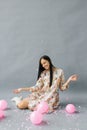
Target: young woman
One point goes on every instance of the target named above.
(50, 80)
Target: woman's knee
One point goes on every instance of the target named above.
(22, 105)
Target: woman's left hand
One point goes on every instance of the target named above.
(73, 77)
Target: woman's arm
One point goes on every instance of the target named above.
(21, 89)
(35, 88)
(66, 84)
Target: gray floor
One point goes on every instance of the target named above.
(16, 119)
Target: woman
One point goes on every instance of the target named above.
(50, 80)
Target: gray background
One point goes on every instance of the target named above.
(32, 28)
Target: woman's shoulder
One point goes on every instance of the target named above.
(58, 69)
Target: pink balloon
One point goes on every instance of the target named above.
(70, 108)
(3, 104)
(1, 114)
(36, 117)
(43, 107)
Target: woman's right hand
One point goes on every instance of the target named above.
(17, 90)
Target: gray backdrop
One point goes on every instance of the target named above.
(32, 28)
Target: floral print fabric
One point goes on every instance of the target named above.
(42, 92)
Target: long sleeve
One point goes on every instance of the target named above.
(38, 85)
(63, 84)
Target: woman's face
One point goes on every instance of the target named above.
(45, 64)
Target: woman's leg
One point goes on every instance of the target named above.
(23, 104)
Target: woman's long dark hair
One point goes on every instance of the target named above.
(41, 69)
